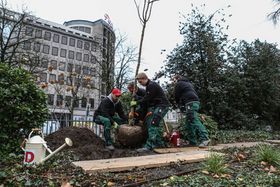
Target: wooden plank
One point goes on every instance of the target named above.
(216, 147)
(273, 141)
(178, 149)
(149, 161)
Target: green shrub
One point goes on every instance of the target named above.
(22, 107)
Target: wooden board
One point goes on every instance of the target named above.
(216, 147)
(150, 161)
(273, 141)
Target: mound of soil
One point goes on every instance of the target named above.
(86, 144)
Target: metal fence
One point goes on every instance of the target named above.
(52, 126)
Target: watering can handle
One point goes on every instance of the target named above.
(36, 129)
(22, 144)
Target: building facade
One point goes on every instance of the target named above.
(70, 60)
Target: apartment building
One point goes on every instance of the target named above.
(70, 62)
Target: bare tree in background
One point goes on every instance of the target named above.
(274, 16)
(13, 34)
(74, 85)
(16, 38)
(125, 57)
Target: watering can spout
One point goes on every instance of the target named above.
(68, 142)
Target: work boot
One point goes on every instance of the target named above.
(142, 150)
(110, 147)
(204, 143)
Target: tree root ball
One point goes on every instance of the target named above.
(131, 136)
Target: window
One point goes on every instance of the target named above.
(50, 99)
(62, 66)
(80, 44)
(37, 47)
(84, 102)
(29, 31)
(79, 56)
(27, 45)
(85, 83)
(43, 77)
(52, 78)
(77, 81)
(61, 79)
(93, 46)
(72, 42)
(64, 40)
(87, 30)
(44, 63)
(63, 52)
(69, 67)
(68, 100)
(69, 81)
(86, 57)
(92, 83)
(54, 51)
(76, 102)
(53, 64)
(93, 59)
(59, 100)
(46, 49)
(85, 70)
(56, 38)
(71, 54)
(86, 45)
(47, 35)
(92, 71)
(38, 33)
(91, 102)
(78, 69)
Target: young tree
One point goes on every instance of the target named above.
(144, 14)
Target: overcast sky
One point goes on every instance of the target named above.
(248, 21)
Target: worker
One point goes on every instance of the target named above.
(188, 101)
(141, 110)
(110, 113)
(157, 104)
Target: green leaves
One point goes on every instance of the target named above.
(238, 82)
(22, 105)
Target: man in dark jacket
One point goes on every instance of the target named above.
(140, 110)
(106, 114)
(157, 104)
(188, 102)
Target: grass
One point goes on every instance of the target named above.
(269, 154)
(215, 164)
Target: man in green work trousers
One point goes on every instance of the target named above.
(157, 104)
(110, 113)
(188, 102)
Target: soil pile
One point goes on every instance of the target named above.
(86, 144)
